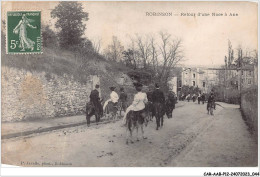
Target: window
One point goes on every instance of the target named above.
(204, 84)
(249, 73)
(242, 72)
(249, 81)
(193, 83)
(194, 75)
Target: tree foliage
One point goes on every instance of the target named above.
(129, 58)
(70, 17)
(49, 37)
(241, 58)
(114, 51)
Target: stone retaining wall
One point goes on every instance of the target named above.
(34, 95)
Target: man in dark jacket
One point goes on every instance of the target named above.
(211, 101)
(158, 97)
(95, 100)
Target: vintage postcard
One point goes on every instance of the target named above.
(129, 84)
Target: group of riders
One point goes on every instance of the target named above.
(143, 101)
(201, 99)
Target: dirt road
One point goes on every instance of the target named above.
(190, 138)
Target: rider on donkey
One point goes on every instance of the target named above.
(170, 104)
(158, 97)
(94, 107)
(95, 100)
(139, 101)
(211, 101)
(113, 98)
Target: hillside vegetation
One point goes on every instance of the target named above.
(63, 62)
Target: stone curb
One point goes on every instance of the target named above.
(26, 133)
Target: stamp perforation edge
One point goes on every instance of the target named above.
(6, 35)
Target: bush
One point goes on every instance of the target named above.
(233, 96)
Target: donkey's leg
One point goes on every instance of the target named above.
(137, 137)
(110, 116)
(161, 121)
(129, 131)
(127, 134)
(88, 120)
(96, 119)
(142, 130)
(88, 116)
(157, 122)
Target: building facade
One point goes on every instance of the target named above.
(241, 78)
(203, 78)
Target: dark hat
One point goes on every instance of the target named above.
(97, 86)
(112, 88)
(138, 84)
(122, 89)
(157, 85)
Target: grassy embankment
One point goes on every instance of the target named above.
(63, 62)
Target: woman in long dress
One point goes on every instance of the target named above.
(25, 42)
(140, 99)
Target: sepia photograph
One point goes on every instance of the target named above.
(129, 84)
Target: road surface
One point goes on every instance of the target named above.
(190, 138)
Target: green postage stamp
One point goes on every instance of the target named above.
(23, 32)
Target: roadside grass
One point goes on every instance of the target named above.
(70, 63)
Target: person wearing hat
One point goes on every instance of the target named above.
(113, 97)
(211, 99)
(140, 99)
(158, 97)
(95, 100)
(123, 99)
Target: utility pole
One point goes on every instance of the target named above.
(225, 79)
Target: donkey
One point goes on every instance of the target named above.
(136, 120)
(90, 111)
(111, 111)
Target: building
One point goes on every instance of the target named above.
(201, 77)
(241, 78)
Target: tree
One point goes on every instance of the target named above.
(49, 37)
(144, 49)
(230, 54)
(129, 58)
(96, 43)
(114, 51)
(171, 53)
(70, 17)
(154, 55)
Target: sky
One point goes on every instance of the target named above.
(204, 38)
